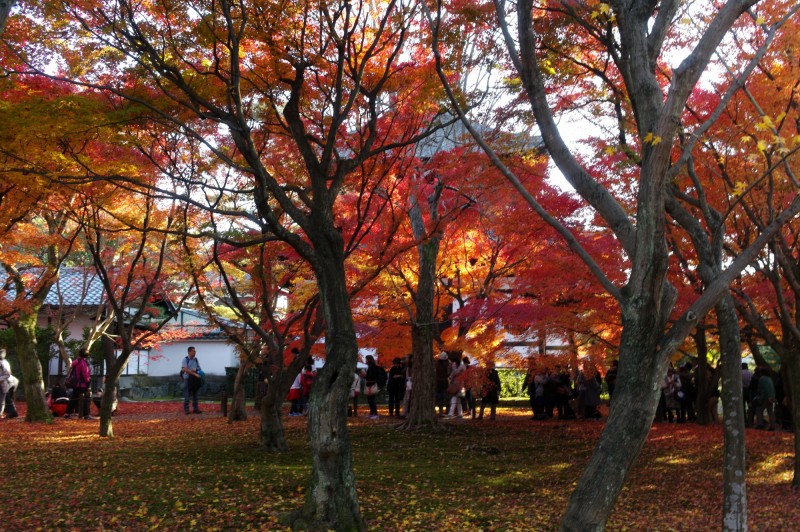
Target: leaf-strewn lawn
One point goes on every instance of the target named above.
(165, 470)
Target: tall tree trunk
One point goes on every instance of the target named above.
(734, 502)
(703, 375)
(238, 411)
(641, 369)
(32, 379)
(422, 412)
(331, 501)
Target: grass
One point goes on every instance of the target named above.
(165, 470)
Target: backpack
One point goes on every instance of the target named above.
(72, 377)
(382, 377)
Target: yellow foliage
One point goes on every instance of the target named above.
(651, 139)
(740, 188)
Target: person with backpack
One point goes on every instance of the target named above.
(190, 371)
(79, 379)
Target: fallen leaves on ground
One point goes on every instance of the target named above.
(166, 470)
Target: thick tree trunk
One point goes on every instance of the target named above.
(238, 411)
(114, 370)
(331, 501)
(106, 410)
(734, 502)
(32, 379)
(273, 437)
(641, 369)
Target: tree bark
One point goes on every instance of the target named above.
(703, 377)
(636, 396)
(422, 411)
(238, 411)
(32, 378)
(114, 366)
(734, 502)
(273, 437)
(331, 501)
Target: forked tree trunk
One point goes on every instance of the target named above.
(331, 501)
(734, 502)
(31, 378)
(238, 411)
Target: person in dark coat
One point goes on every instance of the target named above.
(395, 387)
(371, 380)
(592, 381)
(491, 391)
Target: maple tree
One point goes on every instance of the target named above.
(621, 47)
(272, 295)
(40, 120)
(290, 103)
(763, 116)
(138, 264)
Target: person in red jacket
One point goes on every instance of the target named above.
(80, 389)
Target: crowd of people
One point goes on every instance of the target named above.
(765, 402)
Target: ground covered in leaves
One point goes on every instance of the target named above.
(166, 470)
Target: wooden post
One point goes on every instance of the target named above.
(224, 405)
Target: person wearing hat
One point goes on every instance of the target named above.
(8, 387)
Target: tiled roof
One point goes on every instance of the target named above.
(76, 286)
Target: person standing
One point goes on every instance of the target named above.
(408, 387)
(355, 391)
(765, 399)
(396, 386)
(491, 391)
(371, 383)
(307, 376)
(747, 397)
(8, 388)
(611, 379)
(81, 379)
(191, 380)
(456, 388)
